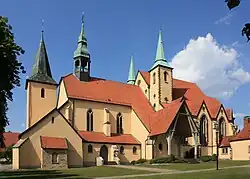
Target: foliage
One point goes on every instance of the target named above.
(167, 159)
(10, 69)
(8, 154)
(214, 157)
(246, 29)
(206, 158)
(140, 161)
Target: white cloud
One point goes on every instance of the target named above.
(215, 68)
(225, 19)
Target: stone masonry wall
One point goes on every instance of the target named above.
(47, 159)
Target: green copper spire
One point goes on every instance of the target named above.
(41, 69)
(160, 57)
(131, 75)
(82, 50)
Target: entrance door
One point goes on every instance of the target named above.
(104, 153)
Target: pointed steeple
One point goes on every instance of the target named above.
(41, 71)
(131, 74)
(82, 48)
(160, 57)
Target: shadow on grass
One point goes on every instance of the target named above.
(37, 174)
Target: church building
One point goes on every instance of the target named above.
(83, 119)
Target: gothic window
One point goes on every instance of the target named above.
(77, 63)
(54, 158)
(146, 91)
(160, 147)
(222, 128)
(90, 120)
(42, 93)
(90, 148)
(121, 150)
(153, 78)
(165, 76)
(119, 128)
(203, 130)
(52, 120)
(224, 150)
(134, 150)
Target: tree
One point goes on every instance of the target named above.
(246, 29)
(10, 69)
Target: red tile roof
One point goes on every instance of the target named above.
(10, 138)
(110, 92)
(162, 119)
(193, 95)
(53, 143)
(100, 137)
(225, 142)
(229, 112)
(244, 134)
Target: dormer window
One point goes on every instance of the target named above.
(165, 76)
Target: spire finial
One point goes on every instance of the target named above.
(42, 23)
(82, 17)
(131, 74)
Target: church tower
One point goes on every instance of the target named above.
(82, 57)
(161, 78)
(41, 87)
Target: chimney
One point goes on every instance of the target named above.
(246, 120)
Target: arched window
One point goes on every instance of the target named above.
(42, 93)
(222, 128)
(203, 130)
(153, 78)
(134, 150)
(90, 148)
(119, 129)
(154, 105)
(90, 120)
(165, 76)
(160, 146)
(138, 82)
(54, 158)
(121, 150)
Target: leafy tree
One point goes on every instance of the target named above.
(10, 69)
(246, 29)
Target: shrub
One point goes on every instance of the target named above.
(7, 154)
(140, 161)
(214, 157)
(167, 159)
(205, 158)
(133, 162)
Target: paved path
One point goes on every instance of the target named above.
(5, 167)
(163, 171)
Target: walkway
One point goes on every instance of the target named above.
(161, 171)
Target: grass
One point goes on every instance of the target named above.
(205, 165)
(236, 173)
(83, 173)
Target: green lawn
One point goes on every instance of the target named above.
(83, 173)
(205, 165)
(236, 173)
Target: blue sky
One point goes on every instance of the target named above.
(118, 29)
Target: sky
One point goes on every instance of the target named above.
(202, 42)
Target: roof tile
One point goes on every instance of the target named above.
(53, 143)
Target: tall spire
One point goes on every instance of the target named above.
(82, 50)
(41, 71)
(131, 74)
(160, 56)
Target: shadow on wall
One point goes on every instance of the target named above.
(38, 174)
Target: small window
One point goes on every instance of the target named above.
(134, 150)
(154, 105)
(165, 76)
(154, 95)
(224, 150)
(160, 147)
(139, 82)
(77, 63)
(90, 148)
(154, 78)
(52, 120)
(146, 91)
(166, 99)
(203, 108)
(54, 158)
(42, 93)
(121, 150)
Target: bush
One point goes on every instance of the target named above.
(133, 162)
(214, 157)
(167, 159)
(140, 161)
(7, 154)
(206, 158)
